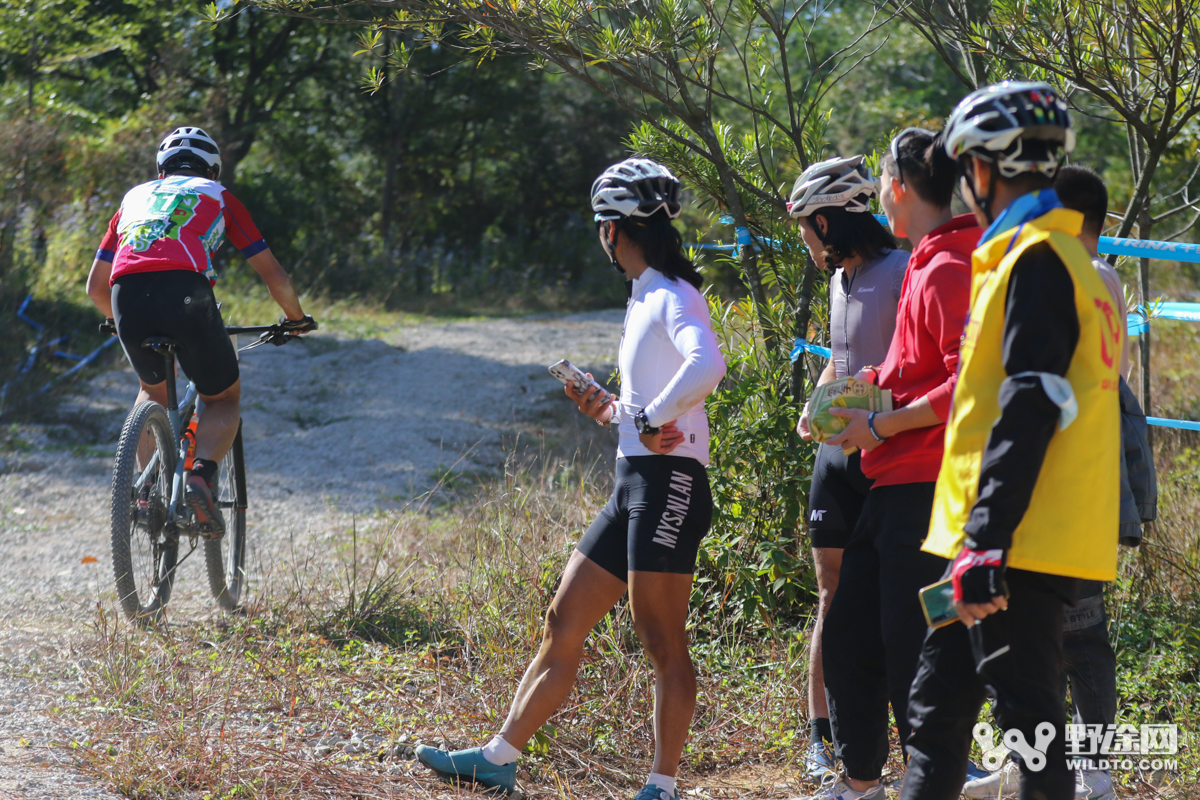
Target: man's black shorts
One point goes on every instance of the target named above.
(836, 498)
(177, 304)
(659, 511)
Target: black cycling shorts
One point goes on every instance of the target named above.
(659, 511)
(836, 498)
(178, 304)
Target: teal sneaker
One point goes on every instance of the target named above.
(469, 765)
(652, 792)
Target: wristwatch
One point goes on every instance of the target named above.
(642, 423)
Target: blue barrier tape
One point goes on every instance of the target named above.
(1139, 248)
(88, 359)
(1186, 312)
(1189, 312)
(757, 240)
(21, 315)
(802, 345)
(1182, 424)
(707, 246)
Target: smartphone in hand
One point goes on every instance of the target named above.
(937, 602)
(567, 372)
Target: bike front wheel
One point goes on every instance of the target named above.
(144, 553)
(225, 558)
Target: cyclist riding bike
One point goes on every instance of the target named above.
(153, 276)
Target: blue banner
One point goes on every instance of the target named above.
(1170, 251)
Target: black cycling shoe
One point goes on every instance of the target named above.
(199, 497)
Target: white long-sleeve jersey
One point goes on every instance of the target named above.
(670, 362)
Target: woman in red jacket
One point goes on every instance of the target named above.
(875, 626)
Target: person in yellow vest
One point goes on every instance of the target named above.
(1026, 502)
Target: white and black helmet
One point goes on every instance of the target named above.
(635, 187)
(1022, 127)
(189, 147)
(836, 182)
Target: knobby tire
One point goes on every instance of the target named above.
(143, 566)
(225, 559)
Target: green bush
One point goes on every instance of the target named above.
(752, 566)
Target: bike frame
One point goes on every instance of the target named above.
(180, 414)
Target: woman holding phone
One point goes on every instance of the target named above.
(646, 538)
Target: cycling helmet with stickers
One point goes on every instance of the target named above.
(1020, 127)
(836, 182)
(635, 187)
(189, 148)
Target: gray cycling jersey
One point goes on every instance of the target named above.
(862, 311)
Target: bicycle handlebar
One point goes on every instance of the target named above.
(278, 334)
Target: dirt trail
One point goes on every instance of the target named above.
(333, 428)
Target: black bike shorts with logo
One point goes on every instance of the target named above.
(836, 498)
(177, 304)
(659, 511)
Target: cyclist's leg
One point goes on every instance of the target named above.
(134, 301)
(158, 393)
(670, 511)
(207, 357)
(828, 563)
(588, 592)
(218, 424)
(835, 502)
(660, 611)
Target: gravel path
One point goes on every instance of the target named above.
(334, 428)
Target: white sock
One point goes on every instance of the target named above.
(500, 752)
(664, 782)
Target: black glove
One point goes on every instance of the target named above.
(109, 326)
(978, 575)
(302, 325)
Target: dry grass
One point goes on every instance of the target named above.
(419, 631)
(420, 635)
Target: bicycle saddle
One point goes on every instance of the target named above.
(160, 344)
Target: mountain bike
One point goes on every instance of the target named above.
(149, 516)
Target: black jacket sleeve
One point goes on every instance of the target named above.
(1041, 331)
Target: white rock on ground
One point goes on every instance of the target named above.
(333, 428)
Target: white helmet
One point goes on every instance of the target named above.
(189, 147)
(837, 182)
(635, 187)
(1022, 127)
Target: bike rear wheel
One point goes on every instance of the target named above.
(143, 558)
(225, 558)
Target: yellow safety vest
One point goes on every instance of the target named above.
(1070, 527)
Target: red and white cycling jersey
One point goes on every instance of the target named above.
(176, 223)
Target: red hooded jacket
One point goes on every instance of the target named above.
(923, 357)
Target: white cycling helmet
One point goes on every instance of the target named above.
(635, 187)
(189, 148)
(836, 182)
(1022, 127)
